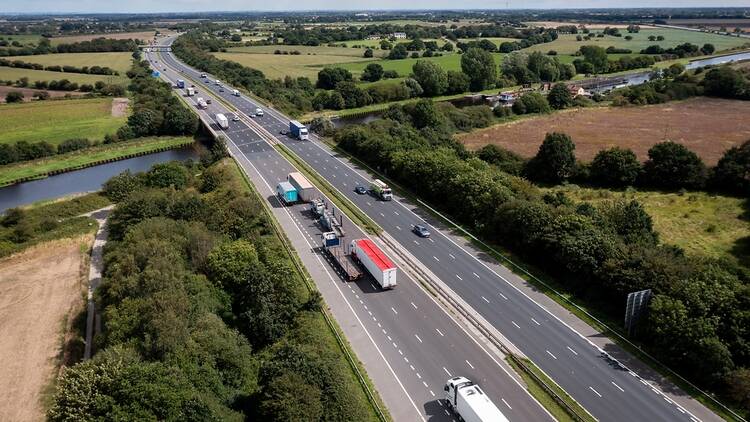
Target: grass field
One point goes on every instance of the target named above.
(567, 44)
(708, 126)
(141, 35)
(118, 61)
(277, 66)
(403, 67)
(56, 121)
(307, 50)
(702, 224)
(25, 40)
(43, 166)
(13, 74)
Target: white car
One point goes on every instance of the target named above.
(235, 118)
(259, 112)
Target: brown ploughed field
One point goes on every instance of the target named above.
(40, 288)
(708, 126)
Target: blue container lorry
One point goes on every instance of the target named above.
(180, 83)
(287, 192)
(297, 130)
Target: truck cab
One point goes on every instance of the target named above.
(470, 403)
(381, 190)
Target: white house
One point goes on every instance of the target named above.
(399, 35)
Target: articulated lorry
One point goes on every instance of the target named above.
(305, 189)
(470, 403)
(298, 130)
(375, 261)
(222, 121)
(333, 247)
(287, 193)
(381, 190)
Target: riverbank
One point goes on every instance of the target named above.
(48, 166)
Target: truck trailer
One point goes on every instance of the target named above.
(470, 403)
(333, 247)
(298, 130)
(287, 193)
(375, 261)
(381, 190)
(180, 84)
(222, 121)
(305, 189)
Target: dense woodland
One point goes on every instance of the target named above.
(698, 319)
(204, 316)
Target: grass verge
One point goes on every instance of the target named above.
(19, 172)
(540, 394)
(358, 217)
(583, 310)
(379, 410)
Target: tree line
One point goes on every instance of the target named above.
(97, 45)
(93, 70)
(203, 316)
(696, 320)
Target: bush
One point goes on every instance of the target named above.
(732, 173)
(329, 77)
(372, 73)
(14, 97)
(615, 167)
(70, 145)
(555, 160)
(672, 166)
(532, 102)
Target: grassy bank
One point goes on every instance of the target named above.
(56, 121)
(48, 220)
(13, 173)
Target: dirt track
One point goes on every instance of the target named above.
(707, 126)
(38, 289)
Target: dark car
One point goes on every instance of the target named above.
(421, 230)
(208, 101)
(360, 190)
(221, 89)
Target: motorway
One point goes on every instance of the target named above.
(606, 388)
(413, 344)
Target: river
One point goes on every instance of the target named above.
(85, 180)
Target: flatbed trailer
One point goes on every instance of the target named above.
(345, 261)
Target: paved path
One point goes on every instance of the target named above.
(95, 271)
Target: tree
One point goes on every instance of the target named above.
(330, 76)
(373, 72)
(14, 97)
(560, 97)
(708, 49)
(672, 166)
(424, 114)
(228, 263)
(236, 38)
(615, 167)
(398, 52)
(458, 82)
(505, 160)
(179, 121)
(385, 45)
(738, 384)
(368, 53)
(532, 102)
(145, 122)
(479, 65)
(597, 56)
(555, 160)
(289, 398)
(164, 175)
(353, 95)
(415, 89)
(732, 173)
(725, 82)
(431, 77)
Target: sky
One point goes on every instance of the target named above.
(145, 6)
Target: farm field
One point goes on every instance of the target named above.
(40, 289)
(118, 61)
(702, 224)
(25, 39)
(29, 93)
(308, 50)
(707, 126)
(567, 44)
(14, 74)
(67, 39)
(56, 121)
(276, 66)
(403, 67)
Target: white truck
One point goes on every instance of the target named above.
(305, 189)
(375, 261)
(201, 103)
(222, 121)
(236, 93)
(470, 403)
(190, 91)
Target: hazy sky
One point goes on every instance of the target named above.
(93, 6)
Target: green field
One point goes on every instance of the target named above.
(13, 74)
(701, 224)
(567, 44)
(25, 40)
(403, 67)
(277, 66)
(85, 157)
(56, 121)
(308, 50)
(118, 61)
